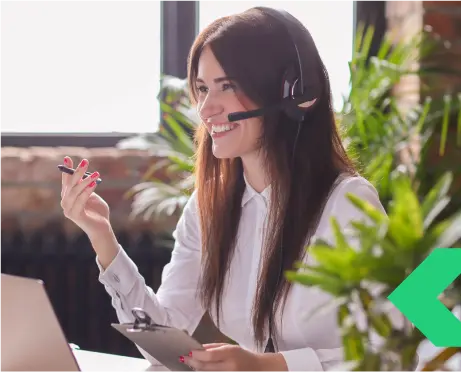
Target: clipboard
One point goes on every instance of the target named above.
(165, 344)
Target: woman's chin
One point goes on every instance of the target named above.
(221, 153)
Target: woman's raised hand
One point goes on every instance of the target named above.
(88, 210)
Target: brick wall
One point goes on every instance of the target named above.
(443, 18)
(31, 186)
(404, 21)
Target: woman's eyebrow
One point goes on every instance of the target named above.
(217, 80)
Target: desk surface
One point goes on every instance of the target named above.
(93, 361)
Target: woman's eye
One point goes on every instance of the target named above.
(202, 89)
(228, 86)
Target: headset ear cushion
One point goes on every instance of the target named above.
(289, 81)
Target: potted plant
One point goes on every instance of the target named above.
(389, 247)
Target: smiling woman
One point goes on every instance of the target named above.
(266, 187)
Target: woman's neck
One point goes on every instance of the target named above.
(253, 166)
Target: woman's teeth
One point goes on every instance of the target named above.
(222, 128)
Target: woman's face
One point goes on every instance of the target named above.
(218, 95)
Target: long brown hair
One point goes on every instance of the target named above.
(255, 50)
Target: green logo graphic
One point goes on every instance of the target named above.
(416, 297)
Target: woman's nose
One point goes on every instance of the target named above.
(211, 106)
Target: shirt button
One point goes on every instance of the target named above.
(116, 278)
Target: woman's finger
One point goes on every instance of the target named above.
(79, 173)
(77, 177)
(213, 345)
(82, 198)
(72, 193)
(66, 177)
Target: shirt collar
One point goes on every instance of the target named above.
(251, 193)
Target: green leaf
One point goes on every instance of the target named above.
(448, 231)
(317, 269)
(343, 314)
(370, 362)
(332, 259)
(436, 196)
(373, 213)
(353, 344)
(380, 323)
(445, 122)
(458, 141)
(184, 143)
(422, 118)
(328, 283)
(378, 171)
(405, 216)
(370, 235)
(341, 242)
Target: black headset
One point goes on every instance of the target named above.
(295, 89)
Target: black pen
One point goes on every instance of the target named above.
(67, 170)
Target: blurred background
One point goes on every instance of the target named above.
(105, 81)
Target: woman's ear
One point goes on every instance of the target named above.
(308, 103)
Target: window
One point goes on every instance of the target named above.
(84, 66)
(332, 31)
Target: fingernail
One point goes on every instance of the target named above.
(66, 161)
(92, 184)
(95, 175)
(190, 354)
(83, 163)
(181, 359)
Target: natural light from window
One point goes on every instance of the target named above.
(87, 66)
(80, 66)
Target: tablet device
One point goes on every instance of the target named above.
(165, 344)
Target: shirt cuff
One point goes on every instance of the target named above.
(121, 274)
(302, 360)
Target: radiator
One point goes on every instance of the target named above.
(67, 267)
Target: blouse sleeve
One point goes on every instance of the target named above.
(175, 303)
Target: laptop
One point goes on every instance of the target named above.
(32, 338)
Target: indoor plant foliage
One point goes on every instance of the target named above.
(386, 249)
(168, 183)
(378, 133)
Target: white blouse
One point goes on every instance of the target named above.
(306, 344)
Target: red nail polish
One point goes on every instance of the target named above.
(190, 354)
(181, 359)
(92, 184)
(83, 163)
(66, 161)
(95, 175)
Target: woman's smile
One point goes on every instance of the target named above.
(221, 130)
